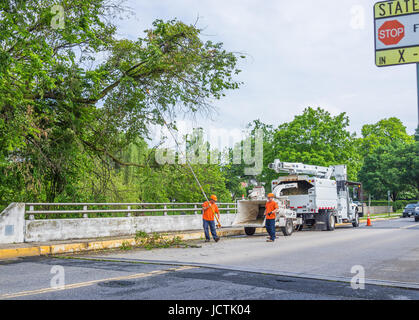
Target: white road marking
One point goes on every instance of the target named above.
(412, 226)
(89, 283)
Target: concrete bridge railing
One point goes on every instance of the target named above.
(38, 222)
(129, 209)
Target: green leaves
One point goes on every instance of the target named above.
(383, 133)
(76, 95)
(393, 167)
(315, 137)
(389, 159)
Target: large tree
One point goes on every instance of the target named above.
(314, 137)
(382, 133)
(409, 161)
(393, 167)
(61, 105)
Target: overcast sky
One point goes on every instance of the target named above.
(300, 53)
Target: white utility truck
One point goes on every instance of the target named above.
(317, 198)
(307, 196)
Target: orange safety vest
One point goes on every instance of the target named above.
(209, 214)
(271, 206)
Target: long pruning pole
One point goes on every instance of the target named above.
(190, 167)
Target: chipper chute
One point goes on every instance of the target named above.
(250, 215)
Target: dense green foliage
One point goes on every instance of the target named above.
(316, 137)
(383, 133)
(397, 205)
(392, 167)
(65, 114)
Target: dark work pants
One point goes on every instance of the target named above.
(211, 225)
(270, 227)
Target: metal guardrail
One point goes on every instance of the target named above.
(128, 209)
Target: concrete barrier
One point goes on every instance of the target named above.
(15, 229)
(68, 229)
(377, 209)
(12, 223)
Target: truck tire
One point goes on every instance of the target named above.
(250, 231)
(288, 229)
(330, 221)
(355, 223)
(416, 219)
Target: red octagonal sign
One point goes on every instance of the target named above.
(391, 32)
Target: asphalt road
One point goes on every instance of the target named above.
(389, 251)
(90, 280)
(236, 268)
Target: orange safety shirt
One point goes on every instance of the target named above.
(209, 214)
(271, 206)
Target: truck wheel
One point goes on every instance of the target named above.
(288, 229)
(330, 222)
(416, 219)
(356, 221)
(250, 231)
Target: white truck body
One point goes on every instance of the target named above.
(316, 196)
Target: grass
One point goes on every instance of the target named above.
(157, 240)
(381, 215)
(125, 246)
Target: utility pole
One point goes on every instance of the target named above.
(388, 202)
(417, 78)
(417, 83)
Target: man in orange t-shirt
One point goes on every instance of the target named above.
(271, 208)
(208, 218)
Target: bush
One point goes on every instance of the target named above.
(157, 240)
(397, 205)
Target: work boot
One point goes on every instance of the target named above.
(207, 240)
(217, 239)
(270, 240)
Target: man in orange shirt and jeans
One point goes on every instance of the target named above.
(271, 208)
(209, 208)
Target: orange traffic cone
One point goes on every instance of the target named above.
(369, 221)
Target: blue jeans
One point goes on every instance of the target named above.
(270, 227)
(211, 225)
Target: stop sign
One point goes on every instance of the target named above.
(391, 32)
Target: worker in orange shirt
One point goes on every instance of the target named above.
(271, 208)
(209, 208)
